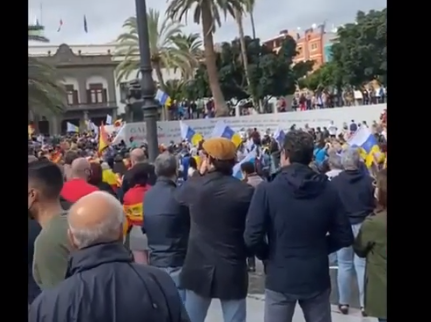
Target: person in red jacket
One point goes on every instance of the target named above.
(77, 186)
(133, 208)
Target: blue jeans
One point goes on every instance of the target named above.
(197, 308)
(347, 262)
(281, 307)
(174, 272)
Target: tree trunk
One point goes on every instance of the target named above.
(210, 61)
(253, 27)
(238, 18)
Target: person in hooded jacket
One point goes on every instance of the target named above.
(355, 188)
(293, 223)
(102, 282)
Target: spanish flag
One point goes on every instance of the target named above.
(55, 156)
(103, 139)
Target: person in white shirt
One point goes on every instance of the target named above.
(332, 129)
(334, 162)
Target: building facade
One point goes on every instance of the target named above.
(310, 45)
(89, 83)
(88, 74)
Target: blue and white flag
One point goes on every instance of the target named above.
(162, 97)
(108, 120)
(250, 157)
(187, 133)
(72, 128)
(366, 142)
(279, 136)
(221, 129)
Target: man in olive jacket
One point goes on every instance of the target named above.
(215, 265)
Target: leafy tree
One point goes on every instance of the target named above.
(46, 95)
(360, 50)
(326, 76)
(166, 49)
(271, 73)
(207, 12)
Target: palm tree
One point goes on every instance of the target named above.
(238, 17)
(192, 44)
(249, 8)
(207, 12)
(164, 51)
(46, 95)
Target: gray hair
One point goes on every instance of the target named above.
(104, 232)
(351, 159)
(334, 161)
(166, 165)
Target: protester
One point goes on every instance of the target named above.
(357, 195)
(102, 273)
(167, 223)
(133, 208)
(250, 176)
(193, 167)
(77, 185)
(51, 247)
(215, 264)
(294, 222)
(33, 231)
(371, 243)
(335, 166)
(136, 156)
(96, 178)
(69, 157)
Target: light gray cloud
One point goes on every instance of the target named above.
(104, 18)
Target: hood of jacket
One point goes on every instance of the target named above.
(352, 176)
(95, 255)
(302, 182)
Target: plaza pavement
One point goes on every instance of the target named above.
(255, 308)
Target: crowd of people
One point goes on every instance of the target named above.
(113, 237)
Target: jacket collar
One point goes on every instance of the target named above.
(166, 181)
(95, 255)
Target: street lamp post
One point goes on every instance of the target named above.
(149, 105)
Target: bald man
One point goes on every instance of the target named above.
(102, 272)
(77, 186)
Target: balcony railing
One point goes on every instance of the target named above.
(90, 106)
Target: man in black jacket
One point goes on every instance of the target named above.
(293, 224)
(167, 223)
(215, 265)
(102, 272)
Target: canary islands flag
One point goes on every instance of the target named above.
(221, 129)
(367, 144)
(72, 128)
(163, 98)
(250, 157)
(187, 133)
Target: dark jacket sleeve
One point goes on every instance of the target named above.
(256, 225)
(340, 231)
(364, 242)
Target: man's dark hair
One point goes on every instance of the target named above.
(223, 166)
(70, 156)
(139, 175)
(299, 146)
(248, 167)
(47, 177)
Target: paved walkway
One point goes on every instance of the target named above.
(255, 313)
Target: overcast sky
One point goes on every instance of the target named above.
(105, 17)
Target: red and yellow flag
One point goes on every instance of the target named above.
(30, 130)
(103, 139)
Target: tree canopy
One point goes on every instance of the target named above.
(271, 73)
(358, 54)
